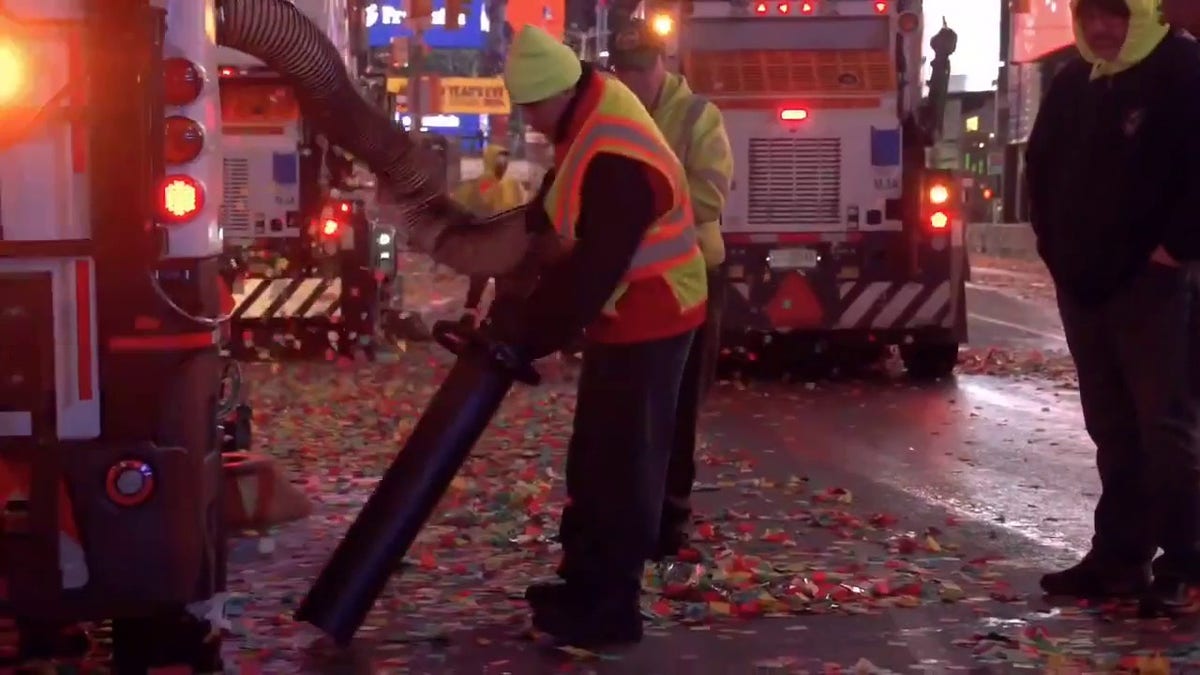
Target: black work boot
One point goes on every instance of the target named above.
(670, 543)
(1096, 578)
(588, 621)
(545, 593)
(1167, 596)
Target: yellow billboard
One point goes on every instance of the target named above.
(459, 95)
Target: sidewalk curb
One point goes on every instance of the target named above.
(1002, 240)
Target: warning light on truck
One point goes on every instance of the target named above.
(662, 24)
(881, 7)
(807, 7)
(184, 139)
(13, 73)
(760, 8)
(793, 114)
(182, 81)
(939, 194)
(182, 198)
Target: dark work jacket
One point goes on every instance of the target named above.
(1113, 169)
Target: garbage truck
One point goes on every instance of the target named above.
(297, 238)
(111, 306)
(840, 234)
(110, 466)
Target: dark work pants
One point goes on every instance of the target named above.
(698, 377)
(1139, 383)
(475, 291)
(617, 463)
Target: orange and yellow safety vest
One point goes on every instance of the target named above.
(620, 125)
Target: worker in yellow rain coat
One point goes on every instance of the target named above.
(492, 192)
(695, 129)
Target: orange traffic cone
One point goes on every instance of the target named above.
(258, 495)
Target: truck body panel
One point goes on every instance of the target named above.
(828, 227)
(108, 251)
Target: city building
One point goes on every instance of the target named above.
(464, 60)
(1037, 40)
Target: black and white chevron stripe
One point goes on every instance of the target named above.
(297, 298)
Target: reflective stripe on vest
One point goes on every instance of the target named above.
(672, 239)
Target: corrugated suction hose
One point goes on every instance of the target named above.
(279, 35)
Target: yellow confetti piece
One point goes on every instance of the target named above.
(720, 608)
(580, 654)
(951, 592)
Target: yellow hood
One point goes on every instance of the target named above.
(491, 156)
(1145, 32)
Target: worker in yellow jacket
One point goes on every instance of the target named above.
(490, 193)
(695, 130)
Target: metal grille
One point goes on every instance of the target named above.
(235, 212)
(720, 74)
(795, 181)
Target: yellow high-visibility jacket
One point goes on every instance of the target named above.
(695, 129)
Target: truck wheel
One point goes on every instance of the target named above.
(178, 640)
(929, 361)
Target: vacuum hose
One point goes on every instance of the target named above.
(279, 35)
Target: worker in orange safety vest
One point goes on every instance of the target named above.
(632, 277)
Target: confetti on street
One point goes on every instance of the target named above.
(800, 563)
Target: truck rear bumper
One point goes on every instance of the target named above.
(303, 316)
(865, 291)
(796, 304)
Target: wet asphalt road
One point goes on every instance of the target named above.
(1004, 461)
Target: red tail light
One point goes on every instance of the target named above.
(760, 8)
(180, 199)
(129, 483)
(330, 227)
(182, 81)
(793, 115)
(939, 220)
(184, 140)
(881, 7)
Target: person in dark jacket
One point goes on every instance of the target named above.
(1114, 175)
(632, 276)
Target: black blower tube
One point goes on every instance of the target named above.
(279, 35)
(389, 522)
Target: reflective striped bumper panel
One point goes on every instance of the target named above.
(301, 317)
